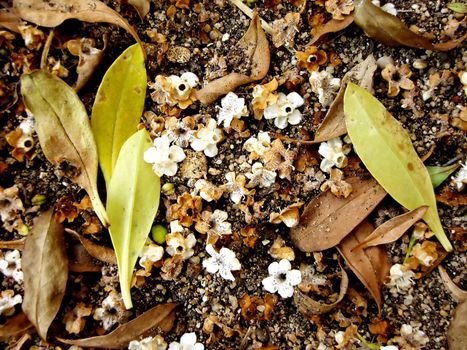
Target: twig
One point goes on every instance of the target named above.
(249, 12)
(45, 51)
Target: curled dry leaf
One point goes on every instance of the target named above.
(458, 294)
(333, 124)
(16, 244)
(15, 326)
(51, 13)
(45, 268)
(327, 219)
(65, 135)
(141, 6)
(391, 31)
(309, 306)
(255, 47)
(98, 252)
(392, 229)
(120, 337)
(332, 26)
(371, 265)
(457, 332)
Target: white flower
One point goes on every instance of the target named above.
(184, 84)
(149, 343)
(223, 262)
(282, 278)
(324, 85)
(112, 310)
(187, 342)
(164, 158)
(179, 245)
(208, 191)
(232, 107)
(8, 300)
(10, 265)
(414, 336)
(284, 111)
(207, 138)
(151, 254)
(260, 176)
(401, 277)
(461, 178)
(236, 186)
(174, 89)
(334, 152)
(257, 146)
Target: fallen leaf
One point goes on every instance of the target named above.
(458, 294)
(65, 136)
(332, 26)
(118, 106)
(371, 265)
(16, 244)
(10, 19)
(51, 13)
(387, 151)
(45, 267)
(132, 202)
(440, 173)
(89, 58)
(327, 219)
(333, 124)
(452, 198)
(255, 47)
(97, 251)
(15, 326)
(309, 306)
(457, 332)
(391, 31)
(141, 6)
(393, 229)
(122, 335)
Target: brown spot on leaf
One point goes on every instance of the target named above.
(410, 166)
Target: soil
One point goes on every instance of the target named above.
(426, 306)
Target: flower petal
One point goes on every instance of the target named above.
(295, 118)
(273, 268)
(281, 122)
(294, 277)
(285, 290)
(151, 155)
(284, 266)
(270, 284)
(295, 99)
(188, 339)
(210, 150)
(176, 154)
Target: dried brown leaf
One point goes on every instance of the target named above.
(327, 219)
(10, 20)
(141, 6)
(51, 13)
(457, 332)
(16, 244)
(15, 326)
(45, 267)
(332, 26)
(120, 337)
(309, 306)
(80, 261)
(391, 31)
(255, 46)
(371, 265)
(393, 229)
(333, 124)
(104, 254)
(458, 294)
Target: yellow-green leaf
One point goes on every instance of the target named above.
(132, 202)
(64, 132)
(458, 7)
(386, 150)
(118, 106)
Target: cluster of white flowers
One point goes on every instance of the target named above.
(282, 278)
(207, 138)
(223, 262)
(10, 265)
(284, 111)
(334, 152)
(164, 157)
(232, 107)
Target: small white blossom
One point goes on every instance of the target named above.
(414, 336)
(179, 245)
(334, 153)
(401, 277)
(236, 186)
(207, 138)
(175, 89)
(285, 111)
(10, 265)
(223, 262)
(208, 191)
(260, 176)
(282, 278)
(149, 343)
(164, 157)
(461, 177)
(187, 342)
(257, 146)
(231, 107)
(112, 310)
(8, 300)
(324, 85)
(151, 254)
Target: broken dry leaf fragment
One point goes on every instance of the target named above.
(65, 136)
(120, 337)
(141, 6)
(457, 332)
(255, 47)
(332, 26)
(15, 326)
(118, 106)
(98, 252)
(327, 219)
(45, 268)
(132, 202)
(387, 151)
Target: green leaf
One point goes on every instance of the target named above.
(458, 7)
(64, 132)
(132, 202)
(118, 106)
(440, 173)
(386, 150)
